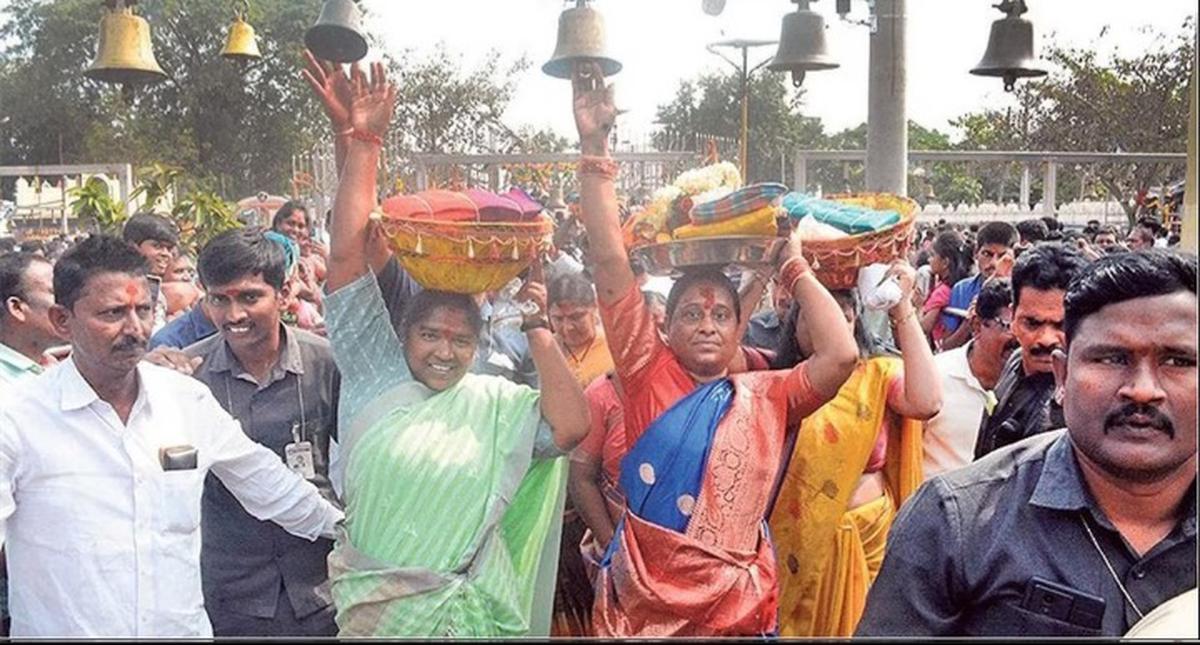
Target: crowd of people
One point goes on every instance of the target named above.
(282, 437)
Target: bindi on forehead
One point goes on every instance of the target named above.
(131, 293)
(709, 296)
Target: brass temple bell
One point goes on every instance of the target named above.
(337, 36)
(580, 38)
(1009, 52)
(125, 53)
(241, 45)
(802, 47)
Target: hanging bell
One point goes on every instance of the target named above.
(1009, 52)
(242, 44)
(580, 38)
(337, 35)
(802, 47)
(125, 53)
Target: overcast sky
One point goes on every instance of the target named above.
(661, 42)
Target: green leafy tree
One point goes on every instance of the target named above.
(442, 107)
(710, 105)
(155, 182)
(237, 126)
(1136, 103)
(946, 181)
(93, 204)
(201, 216)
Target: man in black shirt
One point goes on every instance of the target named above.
(1079, 532)
(282, 385)
(1024, 401)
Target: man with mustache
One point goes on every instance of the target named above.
(1079, 532)
(1025, 405)
(102, 465)
(968, 376)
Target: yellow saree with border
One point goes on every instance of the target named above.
(828, 554)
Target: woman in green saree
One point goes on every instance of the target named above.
(450, 482)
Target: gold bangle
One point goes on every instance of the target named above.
(896, 320)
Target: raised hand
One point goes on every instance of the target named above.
(595, 110)
(1090, 252)
(790, 250)
(374, 100)
(332, 86)
(1004, 265)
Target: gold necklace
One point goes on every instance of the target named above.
(1111, 571)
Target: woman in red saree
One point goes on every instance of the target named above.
(691, 555)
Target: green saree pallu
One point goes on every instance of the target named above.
(447, 513)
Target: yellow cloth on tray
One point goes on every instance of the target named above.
(759, 222)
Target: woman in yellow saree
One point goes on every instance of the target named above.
(854, 463)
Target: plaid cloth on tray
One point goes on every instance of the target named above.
(739, 202)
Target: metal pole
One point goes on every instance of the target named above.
(745, 144)
(887, 111)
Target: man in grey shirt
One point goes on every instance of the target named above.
(281, 383)
(1079, 532)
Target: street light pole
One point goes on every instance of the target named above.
(745, 71)
(887, 110)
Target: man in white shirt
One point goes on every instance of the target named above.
(969, 374)
(102, 466)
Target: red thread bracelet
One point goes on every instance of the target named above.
(604, 167)
(792, 270)
(366, 137)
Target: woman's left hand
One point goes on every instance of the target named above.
(906, 277)
(374, 101)
(533, 292)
